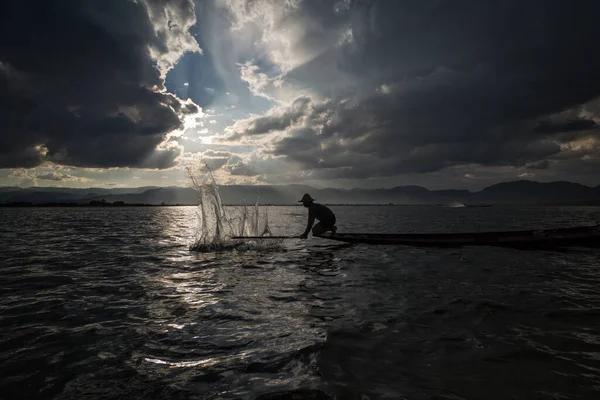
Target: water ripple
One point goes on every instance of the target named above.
(110, 304)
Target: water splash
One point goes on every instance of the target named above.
(216, 224)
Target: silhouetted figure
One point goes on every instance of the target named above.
(324, 215)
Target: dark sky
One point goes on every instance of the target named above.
(78, 78)
(342, 93)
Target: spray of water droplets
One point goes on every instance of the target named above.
(217, 224)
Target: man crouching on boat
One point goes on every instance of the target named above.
(325, 216)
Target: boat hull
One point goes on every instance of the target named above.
(542, 238)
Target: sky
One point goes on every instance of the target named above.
(341, 93)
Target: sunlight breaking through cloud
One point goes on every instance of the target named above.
(322, 92)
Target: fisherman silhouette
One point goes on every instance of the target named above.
(324, 215)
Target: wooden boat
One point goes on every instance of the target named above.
(583, 236)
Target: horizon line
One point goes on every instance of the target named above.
(298, 184)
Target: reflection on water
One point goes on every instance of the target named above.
(110, 303)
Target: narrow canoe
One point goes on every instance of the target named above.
(583, 236)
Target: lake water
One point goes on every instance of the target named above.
(109, 303)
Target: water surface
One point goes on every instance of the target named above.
(109, 303)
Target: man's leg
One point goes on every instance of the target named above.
(318, 229)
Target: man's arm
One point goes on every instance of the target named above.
(311, 221)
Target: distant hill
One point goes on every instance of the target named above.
(517, 192)
(535, 192)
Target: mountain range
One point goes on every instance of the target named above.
(516, 192)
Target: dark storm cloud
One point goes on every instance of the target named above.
(565, 126)
(280, 122)
(432, 84)
(79, 85)
(544, 164)
(240, 169)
